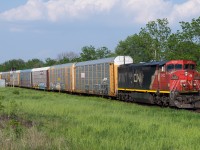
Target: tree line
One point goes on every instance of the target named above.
(88, 53)
(154, 42)
(157, 42)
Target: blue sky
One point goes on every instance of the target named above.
(45, 28)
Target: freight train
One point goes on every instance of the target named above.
(174, 83)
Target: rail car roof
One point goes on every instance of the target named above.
(5, 72)
(26, 70)
(62, 65)
(17, 71)
(40, 69)
(118, 60)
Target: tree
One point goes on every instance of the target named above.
(50, 62)
(149, 44)
(185, 44)
(158, 31)
(191, 31)
(67, 57)
(34, 63)
(136, 46)
(88, 53)
(103, 52)
(14, 64)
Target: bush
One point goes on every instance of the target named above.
(2, 97)
(1, 107)
(16, 92)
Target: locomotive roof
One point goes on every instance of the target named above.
(160, 63)
(153, 63)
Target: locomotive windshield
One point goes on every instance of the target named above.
(172, 67)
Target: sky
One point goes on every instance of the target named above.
(46, 28)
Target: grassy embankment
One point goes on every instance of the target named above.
(46, 120)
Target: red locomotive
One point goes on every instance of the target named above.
(169, 83)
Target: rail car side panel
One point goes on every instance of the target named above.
(6, 76)
(138, 77)
(15, 78)
(93, 79)
(40, 79)
(26, 78)
(61, 77)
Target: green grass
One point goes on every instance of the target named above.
(63, 121)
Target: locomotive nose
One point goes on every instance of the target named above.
(190, 83)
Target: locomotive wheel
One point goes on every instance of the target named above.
(165, 101)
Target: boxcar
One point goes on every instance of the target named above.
(61, 77)
(26, 78)
(40, 78)
(14, 78)
(99, 77)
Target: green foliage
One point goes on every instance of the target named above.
(103, 52)
(156, 42)
(34, 63)
(13, 109)
(2, 97)
(50, 62)
(159, 31)
(185, 44)
(1, 107)
(12, 64)
(16, 92)
(149, 44)
(136, 46)
(90, 53)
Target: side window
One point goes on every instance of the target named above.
(162, 68)
(178, 66)
(186, 66)
(192, 66)
(170, 67)
(189, 66)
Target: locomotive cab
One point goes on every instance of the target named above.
(184, 83)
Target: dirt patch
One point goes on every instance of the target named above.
(13, 121)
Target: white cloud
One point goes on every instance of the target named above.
(138, 11)
(32, 10)
(54, 10)
(143, 11)
(184, 11)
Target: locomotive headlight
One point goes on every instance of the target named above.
(186, 73)
(184, 84)
(194, 84)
